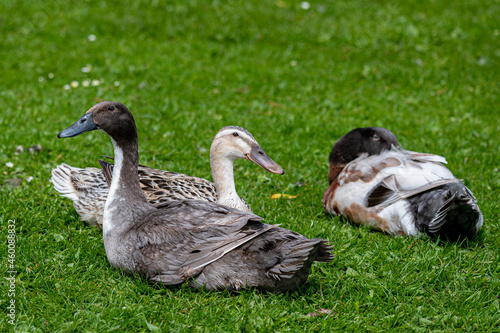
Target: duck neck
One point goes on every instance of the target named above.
(223, 176)
(125, 197)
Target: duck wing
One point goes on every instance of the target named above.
(416, 173)
(107, 170)
(390, 191)
(181, 237)
(162, 186)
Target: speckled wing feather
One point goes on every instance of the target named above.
(162, 186)
(88, 188)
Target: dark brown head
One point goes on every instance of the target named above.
(111, 117)
(371, 140)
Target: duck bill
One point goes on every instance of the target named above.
(84, 124)
(259, 156)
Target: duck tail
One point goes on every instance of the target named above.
(324, 253)
(458, 215)
(62, 179)
(87, 189)
(301, 257)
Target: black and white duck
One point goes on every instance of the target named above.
(376, 183)
(207, 244)
(88, 188)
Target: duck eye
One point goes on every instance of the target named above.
(111, 108)
(375, 137)
(235, 134)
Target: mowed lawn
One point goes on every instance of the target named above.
(297, 76)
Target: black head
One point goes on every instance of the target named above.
(371, 140)
(111, 117)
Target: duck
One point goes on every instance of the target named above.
(88, 187)
(201, 243)
(376, 183)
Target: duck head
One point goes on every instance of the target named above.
(370, 140)
(111, 117)
(233, 142)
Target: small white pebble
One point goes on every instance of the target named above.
(92, 38)
(74, 84)
(51, 76)
(41, 79)
(9, 164)
(116, 83)
(95, 82)
(66, 87)
(305, 5)
(293, 63)
(29, 179)
(86, 83)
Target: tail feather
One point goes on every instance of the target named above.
(301, 255)
(450, 210)
(325, 252)
(87, 189)
(62, 181)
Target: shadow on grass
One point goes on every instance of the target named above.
(144, 286)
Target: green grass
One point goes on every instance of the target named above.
(297, 80)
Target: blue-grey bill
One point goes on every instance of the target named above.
(84, 124)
